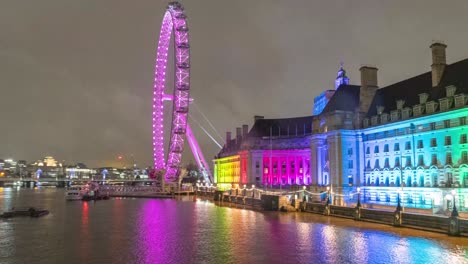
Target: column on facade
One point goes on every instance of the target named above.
(288, 168)
(296, 168)
(316, 165)
(303, 169)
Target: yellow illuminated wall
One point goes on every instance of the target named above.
(227, 170)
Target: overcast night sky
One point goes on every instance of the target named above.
(76, 76)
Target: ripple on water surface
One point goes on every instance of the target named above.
(171, 231)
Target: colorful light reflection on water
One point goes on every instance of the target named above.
(171, 231)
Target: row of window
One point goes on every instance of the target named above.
(424, 127)
(408, 163)
(420, 144)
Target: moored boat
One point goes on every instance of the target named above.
(76, 193)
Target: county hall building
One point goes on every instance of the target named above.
(407, 140)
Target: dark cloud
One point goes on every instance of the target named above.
(76, 76)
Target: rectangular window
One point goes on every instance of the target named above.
(376, 149)
(408, 161)
(350, 164)
(368, 164)
(465, 156)
(377, 165)
(387, 163)
(350, 180)
(462, 120)
(385, 149)
(367, 150)
(420, 144)
(433, 126)
(446, 123)
(434, 159)
(350, 151)
(396, 147)
(463, 139)
(407, 145)
(448, 158)
(448, 140)
(421, 160)
(397, 162)
(433, 142)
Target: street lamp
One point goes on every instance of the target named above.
(253, 191)
(454, 211)
(358, 197)
(399, 208)
(303, 193)
(245, 189)
(328, 195)
(413, 128)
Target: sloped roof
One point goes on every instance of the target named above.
(282, 127)
(346, 98)
(409, 89)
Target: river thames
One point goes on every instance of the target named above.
(200, 231)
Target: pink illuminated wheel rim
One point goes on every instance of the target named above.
(174, 22)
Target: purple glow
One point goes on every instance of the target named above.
(174, 21)
(285, 167)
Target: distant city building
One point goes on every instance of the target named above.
(47, 167)
(406, 140)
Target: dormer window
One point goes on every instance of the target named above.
(445, 103)
(406, 113)
(384, 118)
(431, 107)
(423, 98)
(366, 122)
(380, 109)
(460, 100)
(395, 115)
(450, 90)
(400, 104)
(417, 110)
(374, 120)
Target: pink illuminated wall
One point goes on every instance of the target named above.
(286, 167)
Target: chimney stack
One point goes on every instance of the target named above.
(238, 135)
(369, 86)
(438, 62)
(257, 117)
(228, 139)
(245, 131)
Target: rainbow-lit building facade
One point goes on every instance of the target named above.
(405, 141)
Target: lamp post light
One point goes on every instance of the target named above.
(328, 195)
(303, 193)
(399, 208)
(245, 189)
(358, 197)
(454, 210)
(253, 191)
(412, 129)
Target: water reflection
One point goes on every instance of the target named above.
(187, 231)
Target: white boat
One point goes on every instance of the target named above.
(76, 192)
